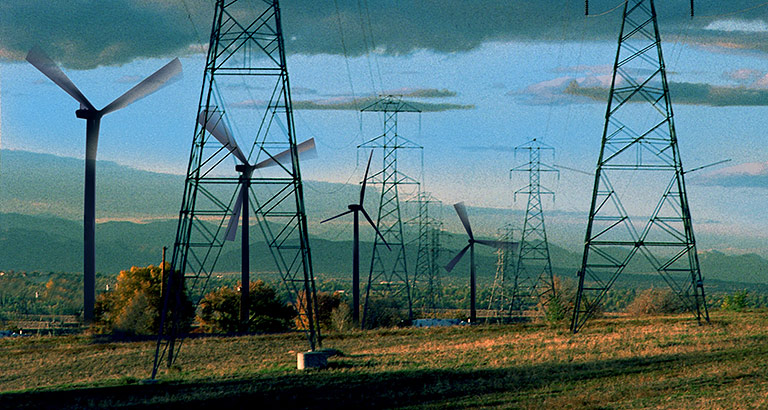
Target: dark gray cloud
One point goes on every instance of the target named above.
(423, 93)
(350, 104)
(88, 33)
(747, 175)
(689, 93)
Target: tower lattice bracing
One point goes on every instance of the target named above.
(388, 274)
(246, 92)
(534, 282)
(639, 220)
(502, 290)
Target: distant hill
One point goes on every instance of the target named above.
(41, 228)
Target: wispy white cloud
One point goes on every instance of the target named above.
(738, 25)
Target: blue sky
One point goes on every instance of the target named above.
(511, 71)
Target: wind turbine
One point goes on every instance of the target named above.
(88, 112)
(462, 211)
(356, 209)
(214, 124)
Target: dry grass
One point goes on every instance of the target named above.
(619, 363)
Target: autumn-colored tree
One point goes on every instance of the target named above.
(133, 306)
(327, 303)
(220, 310)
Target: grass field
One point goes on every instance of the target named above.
(616, 363)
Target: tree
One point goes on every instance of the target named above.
(327, 303)
(220, 310)
(737, 302)
(133, 307)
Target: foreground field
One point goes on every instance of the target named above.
(619, 363)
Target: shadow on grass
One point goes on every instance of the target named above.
(345, 389)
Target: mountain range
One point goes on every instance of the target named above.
(41, 228)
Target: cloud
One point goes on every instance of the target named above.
(347, 103)
(730, 25)
(422, 92)
(352, 104)
(84, 34)
(688, 93)
(490, 148)
(744, 76)
(746, 175)
(555, 91)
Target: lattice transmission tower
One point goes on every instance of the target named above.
(426, 286)
(629, 229)
(534, 282)
(502, 290)
(388, 274)
(246, 101)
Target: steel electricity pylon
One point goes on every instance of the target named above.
(533, 283)
(502, 290)
(426, 284)
(639, 220)
(245, 97)
(388, 274)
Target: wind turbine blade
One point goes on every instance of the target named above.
(370, 221)
(337, 216)
(215, 125)
(365, 178)
(42, 62)
(307, 148)
(449, 267)
(499, 244)
(231, 231)
(462, 211)
(150, 84)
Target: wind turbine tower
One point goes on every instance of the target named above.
(246, 68)
(639, 220)
(533, 281)
(388, 274)
(92, 117)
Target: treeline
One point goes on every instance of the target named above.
(130, 302)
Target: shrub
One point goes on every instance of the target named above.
(133, 307)
(558, 308)
(220, 310)
(383, 312)
(737, 302)
(655, 302)
(341, 318)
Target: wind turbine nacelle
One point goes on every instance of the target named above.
(86, 113)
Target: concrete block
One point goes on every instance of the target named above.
(311, 360)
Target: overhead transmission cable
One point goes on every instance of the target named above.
(736, 12)
(367, 48)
